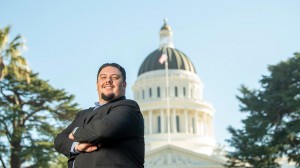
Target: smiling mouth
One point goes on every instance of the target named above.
(108, 86)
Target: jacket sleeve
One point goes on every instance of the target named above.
(122, 121)
(62, 143)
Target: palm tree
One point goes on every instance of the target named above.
(11, 60)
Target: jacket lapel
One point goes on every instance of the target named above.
(92, 113)
(100, 109)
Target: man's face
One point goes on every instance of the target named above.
(110, 84)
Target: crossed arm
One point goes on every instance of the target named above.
(83, 146)
(69, 147)
(118, 124)
(121, 122)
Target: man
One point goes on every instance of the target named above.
(110, 134)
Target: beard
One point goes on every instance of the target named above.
(108, 97)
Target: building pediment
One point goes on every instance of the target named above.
(170, 156)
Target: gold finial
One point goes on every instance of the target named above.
(166, 26)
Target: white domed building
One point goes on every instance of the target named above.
(179, 129)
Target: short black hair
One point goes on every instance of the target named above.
(119, 67)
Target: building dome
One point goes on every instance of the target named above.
(176, 60)
(177, 119)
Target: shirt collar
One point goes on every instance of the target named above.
(97, 104)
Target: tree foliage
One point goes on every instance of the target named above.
(272, 129)
(30, 117)
(11, 60)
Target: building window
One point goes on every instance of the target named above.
(143, 94)
(158, 91)
(176, 91)
(177, 124)
(150, 92)
(184, 91)
(158, 124)
(166, 92)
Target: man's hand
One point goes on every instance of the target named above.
(71, 136)
(86, 147)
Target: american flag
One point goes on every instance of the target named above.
(163, 58)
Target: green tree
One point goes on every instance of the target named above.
(11, 60)
(30, 117)
(272, 128)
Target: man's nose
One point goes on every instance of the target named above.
(108, 80)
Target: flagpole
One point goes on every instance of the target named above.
(167, 95)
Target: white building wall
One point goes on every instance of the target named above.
(189, 109)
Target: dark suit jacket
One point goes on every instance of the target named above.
(118, 126)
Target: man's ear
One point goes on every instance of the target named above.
(124, 84)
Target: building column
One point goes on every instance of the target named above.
(196, 122)
(201, 124)
(191, 126)
(186, 122)
(205, 125)
(150, 122)
(211, 127)
(145, 115)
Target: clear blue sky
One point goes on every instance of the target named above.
(230, 42)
